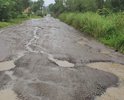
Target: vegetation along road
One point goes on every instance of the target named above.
(45, 59)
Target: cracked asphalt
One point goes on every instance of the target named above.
(51, 60)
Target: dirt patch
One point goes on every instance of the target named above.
(8, 94)
(7, 65)
(113, 93)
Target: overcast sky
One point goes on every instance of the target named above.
(47, 2)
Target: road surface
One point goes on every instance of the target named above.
(45, 59)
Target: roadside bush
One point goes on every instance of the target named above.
(115, 40)
(104, 11)
(69, 18)
(63, 17)
(22, 16)
(91, 23)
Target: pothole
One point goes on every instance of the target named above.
(8, 94)
(62, 63)
(7, 65)
(113, 93)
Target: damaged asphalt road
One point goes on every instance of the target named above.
(45, 59)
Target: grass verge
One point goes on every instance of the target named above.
(107, 29)
(17, 21)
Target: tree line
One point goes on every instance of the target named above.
(13, 8)
(86, 5)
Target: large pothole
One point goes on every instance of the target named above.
(113, 93)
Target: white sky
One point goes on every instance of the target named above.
(47, 2)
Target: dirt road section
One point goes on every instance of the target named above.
(45, 59)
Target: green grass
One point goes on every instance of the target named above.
(4, 24)
(12, 22)
(18, 20)
(34, 16)
(109, 30)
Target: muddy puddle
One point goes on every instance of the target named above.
(8, 94)
(113, 93)
(7, 65)
(61, 63)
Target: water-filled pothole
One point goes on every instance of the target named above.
(113, 93)
(8, 94)
(7, 65)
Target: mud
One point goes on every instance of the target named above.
(113, 93)
(49, 59)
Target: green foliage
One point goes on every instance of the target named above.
(39, 13)
(12, 22)
(95, 17)
(18, 20)
(107, 29)
(104, 11)
(102, 6)
(6, 7)
(90, 22)
(58, 7)
(10, 9)
(37, 7)
(22, 16)
(4, 24)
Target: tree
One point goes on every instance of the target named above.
(6, 9)
(12, 8)
(37, 5)
(86, 5)
(58, 7)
